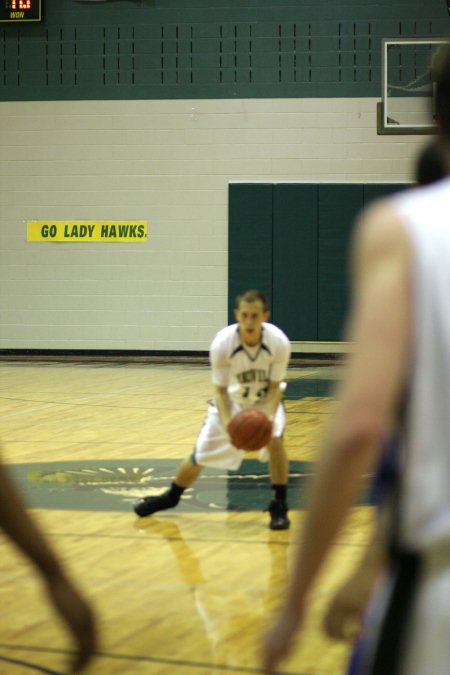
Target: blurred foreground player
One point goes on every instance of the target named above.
(348, 612)
(398, 376)
(430, 165)
(61, 591)
(249, 360)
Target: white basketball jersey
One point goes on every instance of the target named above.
(426, 460)
(247, 371)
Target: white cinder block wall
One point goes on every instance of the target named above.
(169, 162)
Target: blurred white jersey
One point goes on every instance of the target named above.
(425, 494)
(426, 473)
(247, 371)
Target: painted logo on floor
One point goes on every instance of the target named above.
(116, 485)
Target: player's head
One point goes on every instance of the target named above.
(440, 73)
(431, 165)
(252, 295)
(251, 312)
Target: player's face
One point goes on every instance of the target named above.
(250, 317)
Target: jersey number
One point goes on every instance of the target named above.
(260, 393)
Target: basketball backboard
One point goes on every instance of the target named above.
(407, 87)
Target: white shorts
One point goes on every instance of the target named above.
(427, 649)
(213, 447)
(429, 644)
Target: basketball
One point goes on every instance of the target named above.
(250, 429)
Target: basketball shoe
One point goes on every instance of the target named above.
(278, 510)
(148, 505)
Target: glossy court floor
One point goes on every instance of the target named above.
(191, 591)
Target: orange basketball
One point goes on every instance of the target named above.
(250, 429)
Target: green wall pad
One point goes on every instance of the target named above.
(292, 241)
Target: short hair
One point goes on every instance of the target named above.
(440, 75)
(430, 165)
(252, 295)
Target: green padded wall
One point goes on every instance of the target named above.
(338, 205)
(249, 240)
(295, 259)
(164, 49)
(292, 241)
(377, 190)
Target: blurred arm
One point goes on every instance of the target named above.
(367, 399)
(344, 617)
(23, 531)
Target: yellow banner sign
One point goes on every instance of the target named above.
(87, 230)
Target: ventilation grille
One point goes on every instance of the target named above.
(229, 59)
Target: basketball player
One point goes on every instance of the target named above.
(65, 597)
(249, 360)
(400, 365)
(346, 615)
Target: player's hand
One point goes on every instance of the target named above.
(343, 618)
(279, 640)
(79, 618)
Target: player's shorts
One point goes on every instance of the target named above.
(427, 644)
(213, 447)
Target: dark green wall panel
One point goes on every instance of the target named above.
(338, 206)
(293, 241)
(295, 260)
(249, 240)
(375, 191)
(202, 49)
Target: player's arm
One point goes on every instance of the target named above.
(367, 398)
(277, 385)
(343, 619)
(220, 374)
(26, 535)
(272, 399)
(223, 404)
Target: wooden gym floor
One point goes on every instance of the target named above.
(191, 591)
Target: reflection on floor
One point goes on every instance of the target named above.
(192, 590)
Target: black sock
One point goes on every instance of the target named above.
(280, 492)
(175, 492)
